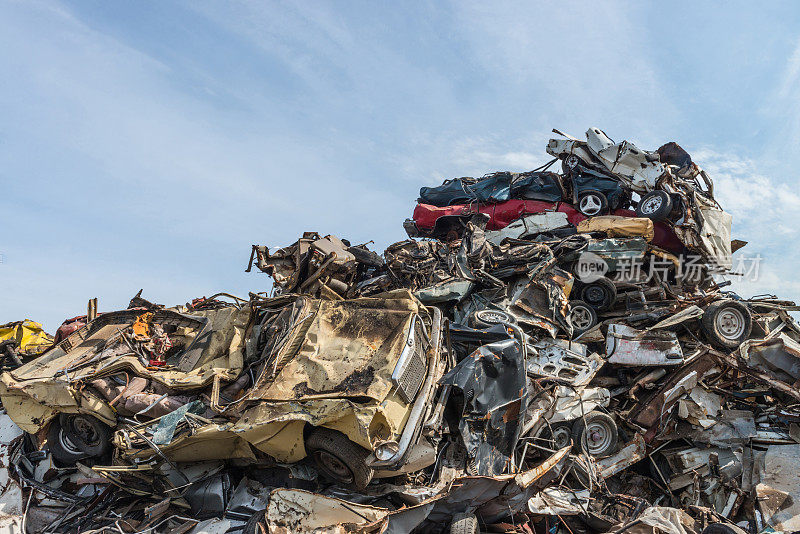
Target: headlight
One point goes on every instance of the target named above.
(386, 450)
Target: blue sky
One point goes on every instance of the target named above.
(148, 145)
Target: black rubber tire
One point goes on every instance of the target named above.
(655, 205)
(252, 525)
(588, 316)
(600, 200)
(68, 446)
(464, 523)
(722, 333)
(367, 257)
(488, 318)
(328, 447)
(591, 419)
(600, 294)
(720, 528)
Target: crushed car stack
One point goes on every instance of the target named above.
(545, 359)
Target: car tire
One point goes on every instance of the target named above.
(464, 523)
(254, 524)
(600, 294)
(592, 203)
(75, 437)
(727, 323)
(582, 317)
(487, 318)
(721, 528)
(655, 205)
(339, 458)
(559, 434)
(595, 434)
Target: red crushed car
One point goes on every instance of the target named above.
(433, 221)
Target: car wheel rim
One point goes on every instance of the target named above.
(67, 444)
(651, 205)
(572, 161)
(730, 323)
(85, 431)
(493, 317)
(561, 437)
(581, 318)
(590, 205)
(334, 466)
(598, 437)
(595, 295)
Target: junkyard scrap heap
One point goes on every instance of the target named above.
(551, 351)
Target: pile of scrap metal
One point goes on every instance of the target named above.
(542, 366)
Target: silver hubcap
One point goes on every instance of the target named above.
(66, 443)
(581, 318)
(651, 205)
(730, 323)
(493, 317)
(598, 437)
(590, 205)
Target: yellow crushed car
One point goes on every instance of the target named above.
(351, 383)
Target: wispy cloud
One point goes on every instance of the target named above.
(764, 212)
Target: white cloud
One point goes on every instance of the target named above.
(764, 213)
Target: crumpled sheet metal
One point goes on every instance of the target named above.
(628, 455)
(299, 511)
(559, 501)
(277, 429)
(488, 497)
(30, 336)
(616, 226)
(656, 405)
(34, 392)
(659, 520)
(626, 161)
(530, 225)
(493, 381)
(626, 345)
(564, 360)
(11, 496)
(778, 357)
(349, 349)
(572, 404)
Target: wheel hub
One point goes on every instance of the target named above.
(493, 317)
(651, 205)
(595, 295)
(334, 466)
(561, 437)
(598, 437)
(84, 430)
(581, 318)
(730, 323)
(590, 205)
